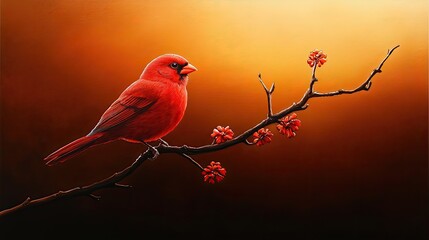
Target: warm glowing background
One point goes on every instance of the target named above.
(357, 169)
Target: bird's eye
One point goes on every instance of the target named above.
(174, 65)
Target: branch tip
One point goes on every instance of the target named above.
(95, 197)
(263, 84)
(122, 185)
(269, 93)
(393, 49)
(272, 88)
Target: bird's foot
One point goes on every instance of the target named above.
(154, 151)
(163, 142)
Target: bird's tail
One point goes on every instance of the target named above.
(72, 149)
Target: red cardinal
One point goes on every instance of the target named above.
(146, 111)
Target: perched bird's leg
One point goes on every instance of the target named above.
(163, 142)
(153, 150)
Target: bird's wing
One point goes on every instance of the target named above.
(121, 111)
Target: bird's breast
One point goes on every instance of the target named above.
(160, 119)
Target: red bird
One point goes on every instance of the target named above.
(146, 111)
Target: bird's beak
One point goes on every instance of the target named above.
(188, 69)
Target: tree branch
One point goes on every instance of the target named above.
(185, 151)
(88, 190)
(364, 86)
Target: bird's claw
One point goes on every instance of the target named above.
(163, 142)
(155, 152)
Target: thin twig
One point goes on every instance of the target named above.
(185, 151)
(95, 197)
(269, 93)
(163, 142)
(122, 185)
(313, 77)
(364, 86)
(192, 160)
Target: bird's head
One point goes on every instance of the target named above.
(168, 68)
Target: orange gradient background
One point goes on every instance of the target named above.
(357, 169)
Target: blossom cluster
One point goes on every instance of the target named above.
(316, 57)
(286, 126)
